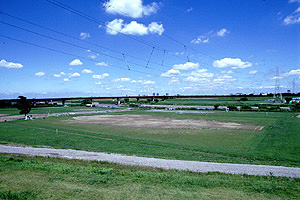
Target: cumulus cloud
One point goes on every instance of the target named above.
(186, 66)
(101, 76)
(87, 71)
(222, 32)
(75, 74)
(170, 73)
(76, 62)
(293, 18)
(148, 82)
(133, 28)
(234, 63)
(98, 83)
(40, 73)
(84, 36)
(294, 72)
(59, 75)
(130, 8)
(9, 65)
(102, 64)
(121, 80)
(201, 73)
(66, 79)
(253, 72)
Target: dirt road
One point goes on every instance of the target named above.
(194, 166)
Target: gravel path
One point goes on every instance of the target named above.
(195, 166)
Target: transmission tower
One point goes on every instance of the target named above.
(277, 92)
(294, 84)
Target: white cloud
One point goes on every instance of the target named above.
(186, 66)
(292, 72)
(98, 83)
(75, 74)
(234, 63)
(76, 62)
(293, 1)
(4, 63)
(293, 18)
(66, 79)
(189, 10)
(227, 72)
(130, 8)
(170, 73)
(101, 76)
(205, 38)
(222, 32)
(148, 82)
(121, 80)
(154, 27)
(174, 80)
(84, 36)
(201, 73)
(253, 72)
(40, 73)
(87, 71)
(200, 39)
(92, 56)
(59, 75)
(102, 64)
(196, 79)
(133, 28)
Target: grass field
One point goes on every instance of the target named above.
(42, 178)
(277, 144)
(45, 178)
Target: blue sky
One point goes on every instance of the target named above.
(131, 47)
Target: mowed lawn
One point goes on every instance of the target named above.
(277, 144)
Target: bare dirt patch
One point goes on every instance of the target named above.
(147, 121)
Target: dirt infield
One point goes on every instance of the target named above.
(148, 121)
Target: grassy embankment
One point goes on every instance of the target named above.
(46, 178)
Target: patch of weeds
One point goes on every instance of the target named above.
(17, 195)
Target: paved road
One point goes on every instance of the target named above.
(195, 166)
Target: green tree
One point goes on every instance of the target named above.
(86, 101)
(24, 105)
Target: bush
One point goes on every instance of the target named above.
(295, 107)
(243, 99)
(232, 108)
(246, 107)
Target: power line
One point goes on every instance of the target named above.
(105, 3)
(99, 22)
(75, 38)
(70, 54)
(71, 44)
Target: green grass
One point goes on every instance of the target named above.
(277, 144)
(46, 110)
(45, 178)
